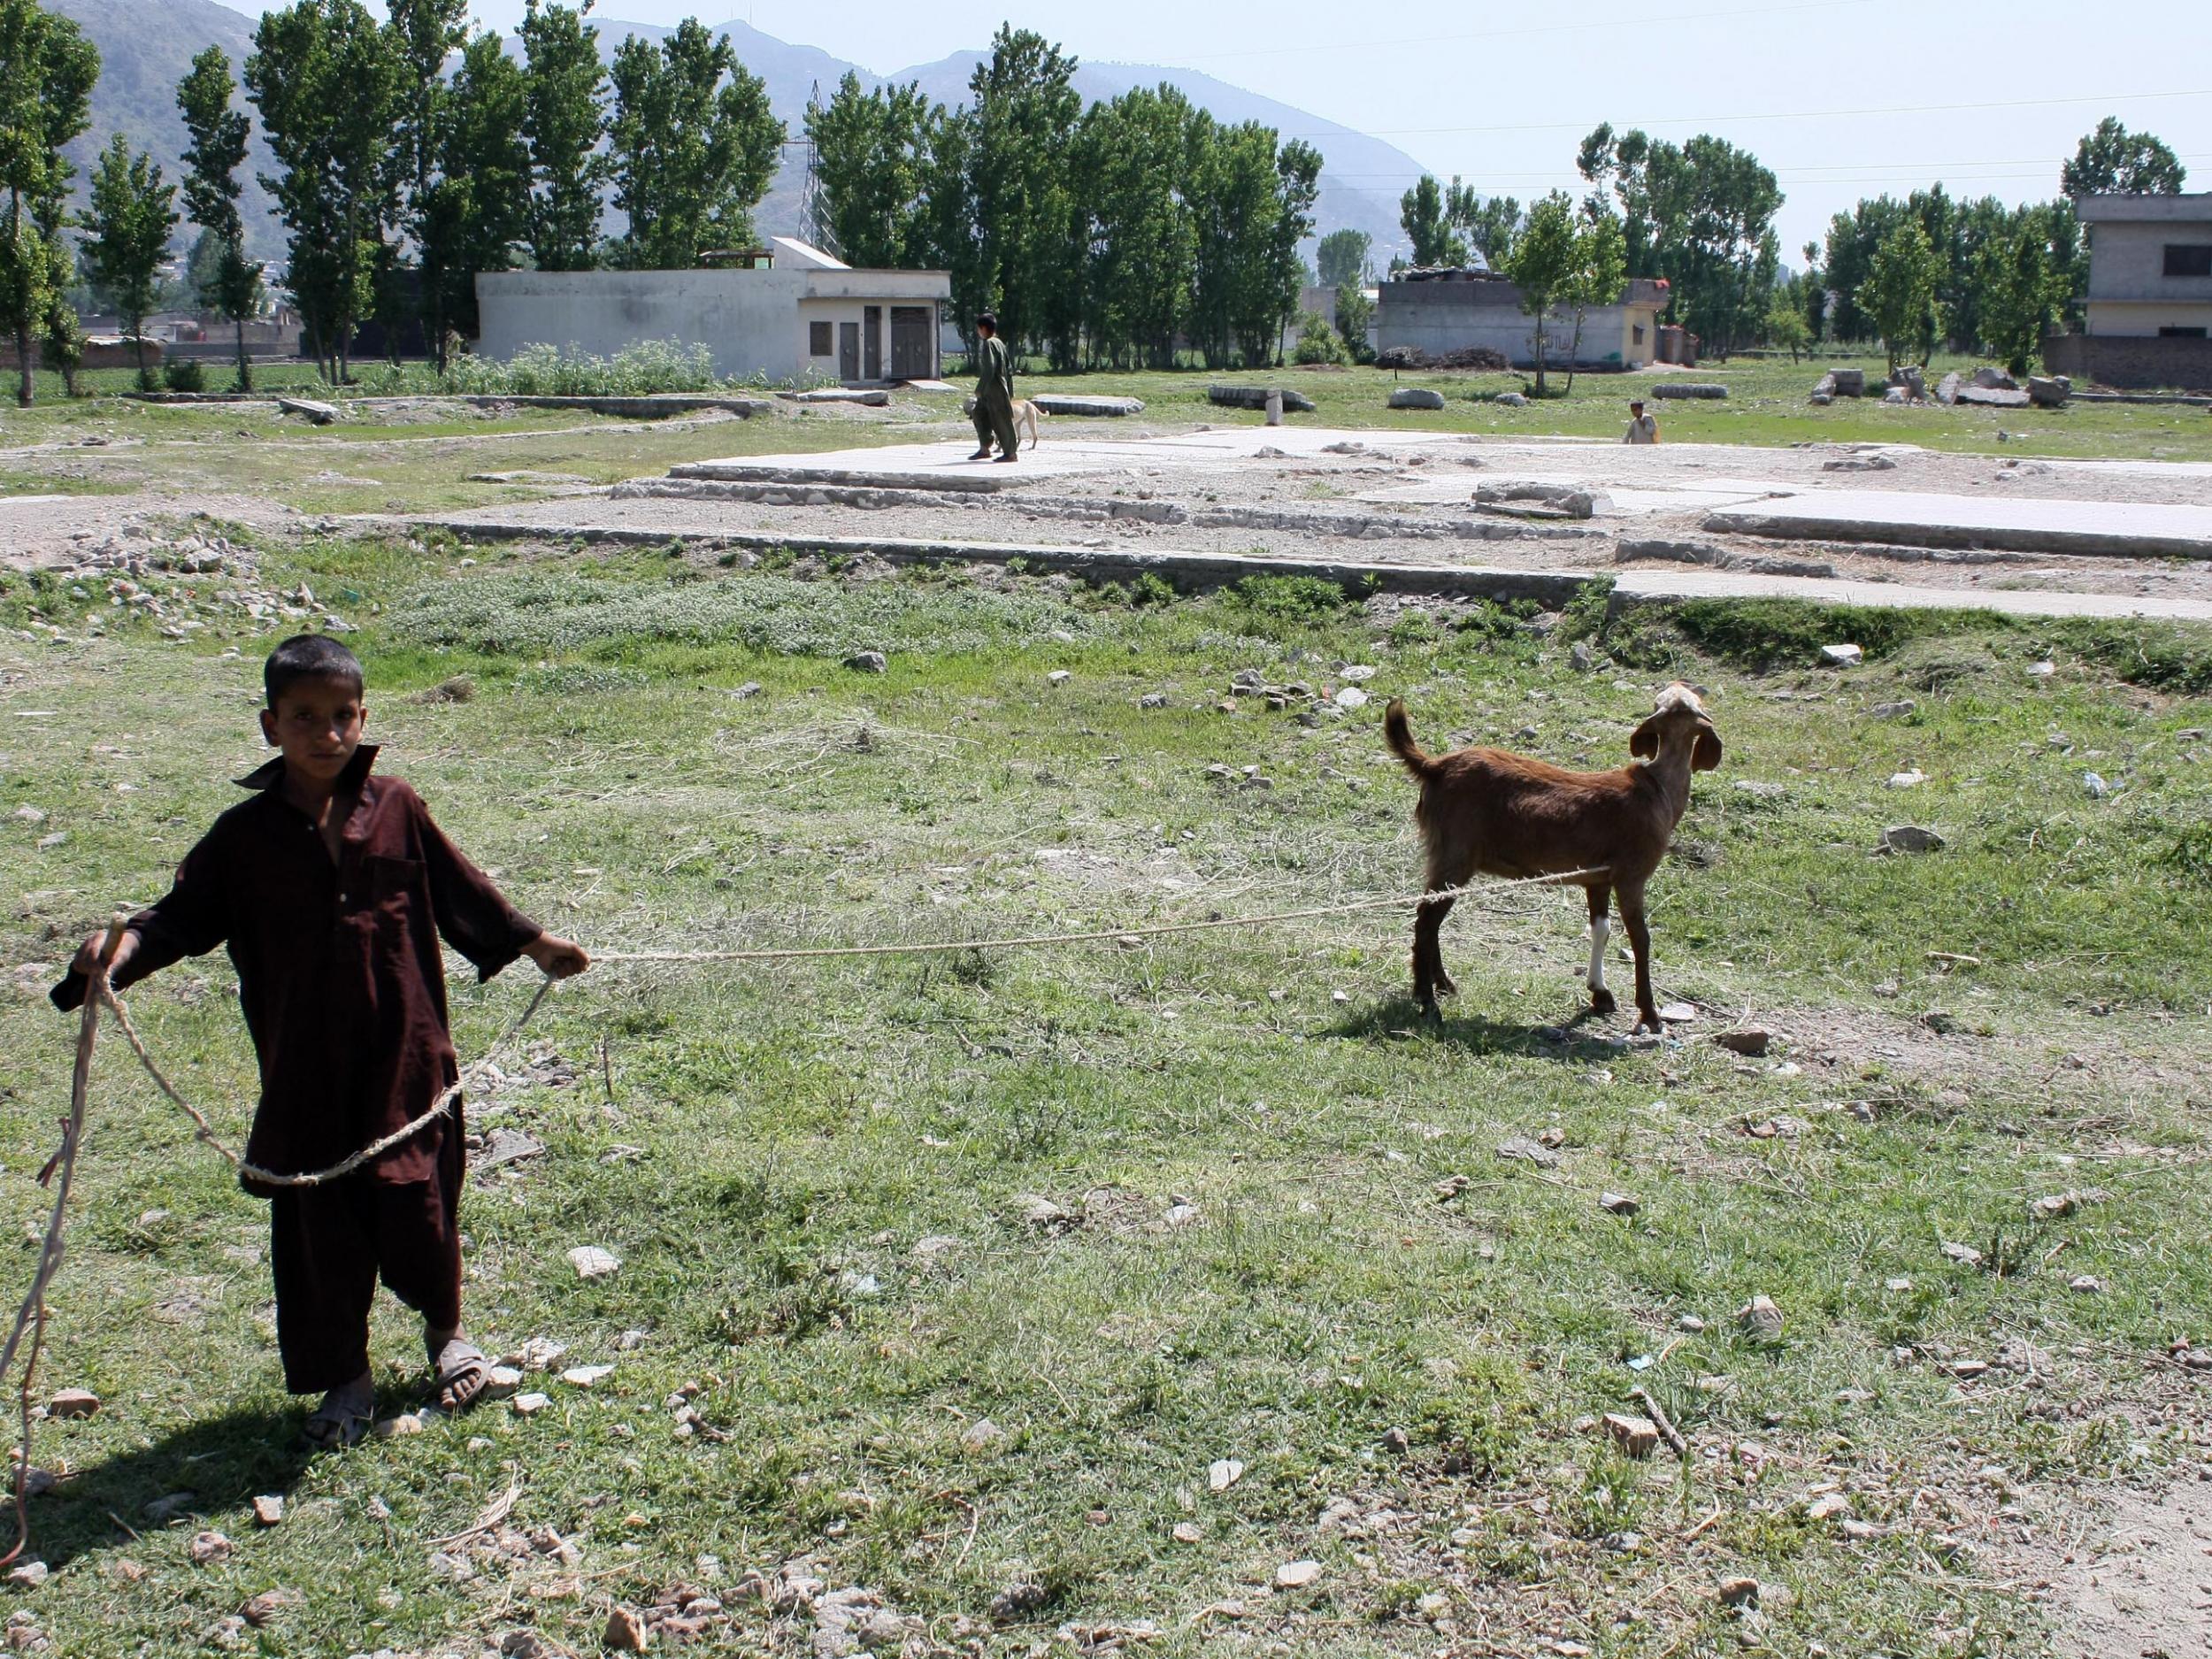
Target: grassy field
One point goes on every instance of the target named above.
(1287, 1303)
(422, 459)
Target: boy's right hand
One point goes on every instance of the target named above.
(88, 956)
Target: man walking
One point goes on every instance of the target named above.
(993, 394)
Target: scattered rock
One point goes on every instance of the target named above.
(1909, 838)
(587, 1375)
(1415, 398)
(1020, 1600)
(2086, 1284)
(2050, 391)
(981, 1436)
(1637, 1437)
(1947, 390)
(1256, 397)
(1059, 677)
(625, 1631)
(1760, 1319)
(1828, 1506)
(1677, 1014)
(1297, 1575)
(73, 1403)
(1618, 1203)
(1188, 1532)
(208, 1548)
(2041, 670)
(1990, 377)
(1739, 1592)
(529, 1405)
(2095, 787)
(1842, 655)
(1745, 1039)
(1223, 1473)
(319, 414)
(1520, 1148)
(1042, 1214)
(591, 1262)
(30, 1574)
(1911, 779)
(459, 688)
(868, 663)
(1511, 400)
(1964, 1254)
(393, 1428)
(268, 1509)
(1897, 710)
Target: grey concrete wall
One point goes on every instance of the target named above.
(2131, 365)
(1441, 317)
(2129, 292)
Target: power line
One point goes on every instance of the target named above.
(1339, 47)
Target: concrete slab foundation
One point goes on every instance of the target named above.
(2110, 529)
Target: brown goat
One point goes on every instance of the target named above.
(1489, 812)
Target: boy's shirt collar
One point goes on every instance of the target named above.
(271, 773)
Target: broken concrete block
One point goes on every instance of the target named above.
(1415, 398)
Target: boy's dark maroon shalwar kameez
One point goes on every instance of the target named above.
(344, 992)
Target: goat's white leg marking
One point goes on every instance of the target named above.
(1599, 928)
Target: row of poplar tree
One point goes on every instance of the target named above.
(1107, 236)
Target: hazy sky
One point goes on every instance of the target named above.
(1842, 98)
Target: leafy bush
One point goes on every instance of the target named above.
(183, 374)
(549, 370)
(1318, 341)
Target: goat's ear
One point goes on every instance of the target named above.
(1643, 742)
(1705, 756)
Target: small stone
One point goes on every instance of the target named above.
(2086, 1284)
(625, 1631)
(1297, 1575)
(1967, 1370)
(2041, 670)
(1911, 779)
(1828, 1506)
(392, 1428)
(261, 1608)
(1523, 1149)
(1842, 655)
(1760, 1319)
(502, 1382)
(268, 1509)
(1397, 1440)
(1897, 1286)
(208, 1548)
(1351, 697)
(1635, 1436)
(30, 1575)
(1617, 1203)
(1964, 1254)
(1860, 1531)
(1739, 1592)
(1020, 1601)
(530, 1404)
(1897, 710)
(1909, 838)
(1059, 676)
(1677, 1014)
(981, 1436)
(2095, 787)
(73, 1403)
(1690, 1323)
(868, 663)
(1745, 1039)
(166, 1508)
(1044, 1215)
(1223, 1473)
(587, 1375)
(1188, 1532)
(591, 1262)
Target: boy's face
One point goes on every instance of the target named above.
(317, 722)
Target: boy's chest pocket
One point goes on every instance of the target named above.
(389, 889)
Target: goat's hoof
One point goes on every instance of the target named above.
(1430, 1013)
(1445, 985)
(1601, 1002)
(1650, 1022)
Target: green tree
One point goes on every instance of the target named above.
(1318, 343)
(1545, 264)
(2113, 161)
(1025, 113)
(1355, 316)
(693, 147)
(477, 213)
(563, 119)
(1491, 226)
(1280, 273)
(1341, 257)
(128, 235)
(324, 79)
(421, 35)
(1899, 290)
(1601, 268)
(872, 153)
(47, 71)
(1786, 326)
(1142, 239)
(2024, 284)
(1421, 211)
(225, 279)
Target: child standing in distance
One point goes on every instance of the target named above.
(1642, 428)
(332, 887)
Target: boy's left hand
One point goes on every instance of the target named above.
(559, 958)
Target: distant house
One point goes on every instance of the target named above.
(787, 311)
(2148, 319)
(1454, 308)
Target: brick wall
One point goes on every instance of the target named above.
(2132, 362)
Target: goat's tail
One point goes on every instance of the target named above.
(1399, 734)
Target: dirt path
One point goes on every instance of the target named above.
(2139, 1580)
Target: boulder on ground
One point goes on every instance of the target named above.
(1689, 389)
(319, 414)
(1256, 397)
(1994, 380)
(2050, 391)
(1824, 389)
(1992, 398)
(1415, 398)
(1066, 403)
(1947, 390)
(1512, 400)
(1849, 382)
(872, 396)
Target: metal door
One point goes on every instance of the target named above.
(912, 335)
(872, 332)
(849, 351)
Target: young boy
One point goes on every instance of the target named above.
(331, 888)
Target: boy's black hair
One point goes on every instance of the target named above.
(988, 320)
(308, 656)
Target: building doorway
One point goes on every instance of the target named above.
(912, 336)
(849, 351)
(871, 333)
